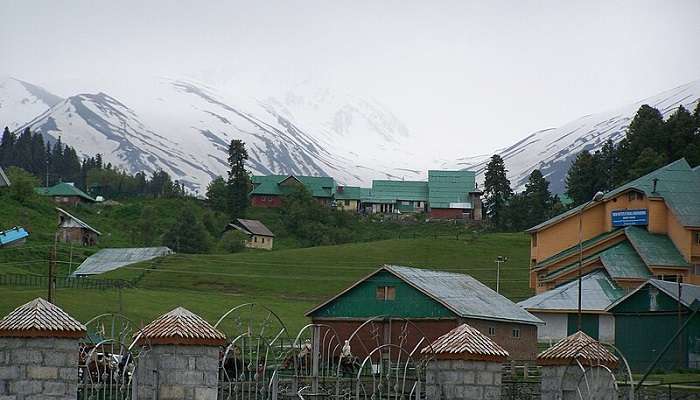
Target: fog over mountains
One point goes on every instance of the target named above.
(184, 128)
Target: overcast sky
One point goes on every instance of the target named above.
(487, 72)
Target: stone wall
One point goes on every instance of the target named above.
(181, 373)
(561, 382)
(38, 368)
(463, 380)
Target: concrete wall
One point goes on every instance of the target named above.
(557, 325)
(38, 368)
(606, 328)
(259, 242)
(184, 373)
(561, 382)
(463, 380)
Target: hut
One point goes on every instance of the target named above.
(13, 237)
(259, 236)
(72, 229)
(65, 193)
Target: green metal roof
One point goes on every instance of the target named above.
(689, 293)
(385, 191)
(654, 249)
(348, 193)
(450, 189)
(677, 183)
(63, 189)
(600, 291)
(622, 262)
(318, 186)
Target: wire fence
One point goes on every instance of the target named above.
(62, 282)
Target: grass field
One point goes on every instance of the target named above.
(287, 281)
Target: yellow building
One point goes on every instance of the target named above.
(259, 236)
(649, 227)
(347, 198)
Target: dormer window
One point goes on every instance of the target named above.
(634, 195)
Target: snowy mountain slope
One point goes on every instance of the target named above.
(553, 150)
(184, 128)
(21, 101)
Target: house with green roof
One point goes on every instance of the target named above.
(387, 196)
(347, 198)
(65, 193)
(269, 189)
(646, 228)
(454, 195)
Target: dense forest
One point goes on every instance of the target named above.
(57, 162)
(650, 143)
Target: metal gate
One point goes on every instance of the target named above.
(259, 340)
(108, 359)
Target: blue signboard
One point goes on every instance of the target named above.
(630, 217)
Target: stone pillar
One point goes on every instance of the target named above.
(467, 365)
(562, 376)
(183, 360)
(39, 353)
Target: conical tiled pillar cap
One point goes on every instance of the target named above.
(578, 346)
(39, 318)
(466, 343)
(180, 326)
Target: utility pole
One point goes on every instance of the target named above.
(52, 272)
(679, 278)
(499, 260)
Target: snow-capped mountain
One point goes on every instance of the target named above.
(21, 101)
(184, 128)
(552, 150)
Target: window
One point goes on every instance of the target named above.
(516, 333)
(697, 237)
(263, 240)
(534, 240)
(255, 239)
(631, 196)
(347, 202)
(492, 331)
(386, 293)
(670, 278)
(696, 269)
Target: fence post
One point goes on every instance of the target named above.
(185, 351)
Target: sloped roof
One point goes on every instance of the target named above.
(318, 186)
(598, 289)
(12, 235)
(577, 346)
(63, 189)
(689, 293)
(348, 193)
(447, 188)
(180, 326)
(677, 184)
(254, 227)
(575, 248)
(391, 191)
(111, 259)
(621, 261)
(39, 318)
(466, 343)
(461, 294)
(655, 249)
(4, 180)
(77, 220)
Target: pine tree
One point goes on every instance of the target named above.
(647, 161)
(497, 191)
(607, 163)
(7, 145)
(238, 183)
(582, 179)
(187, 234)
(538, 199)
(217, 195)
(679, 134)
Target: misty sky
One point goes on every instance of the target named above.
(485, 72)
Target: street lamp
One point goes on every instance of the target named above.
(499, 260)
(596, 198)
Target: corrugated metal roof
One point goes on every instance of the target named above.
(254, 227)
(12, 235)
(677, 184)
(655, 249)
(39, 318)
(111, 259)
(63, 189)
(447, 189)
(598, 290)
(466, 343)
(318, 186)
(622, 261)
(348, 193)
(180, 326)
(390, 191)
(4, 180)
(578, 346)
(464, 295)
(689, 293)
(77, 220)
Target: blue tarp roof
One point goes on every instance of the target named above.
(12, 235)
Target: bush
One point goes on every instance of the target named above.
(187, 234)
(233, 241)
(22, 184)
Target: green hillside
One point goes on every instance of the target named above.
(288, 281)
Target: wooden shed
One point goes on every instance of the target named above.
(72, 229)
(434, 301)
(259, 236)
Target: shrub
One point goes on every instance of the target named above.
(233, 241)
(22, 184)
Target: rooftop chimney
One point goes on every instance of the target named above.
(654, 182)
